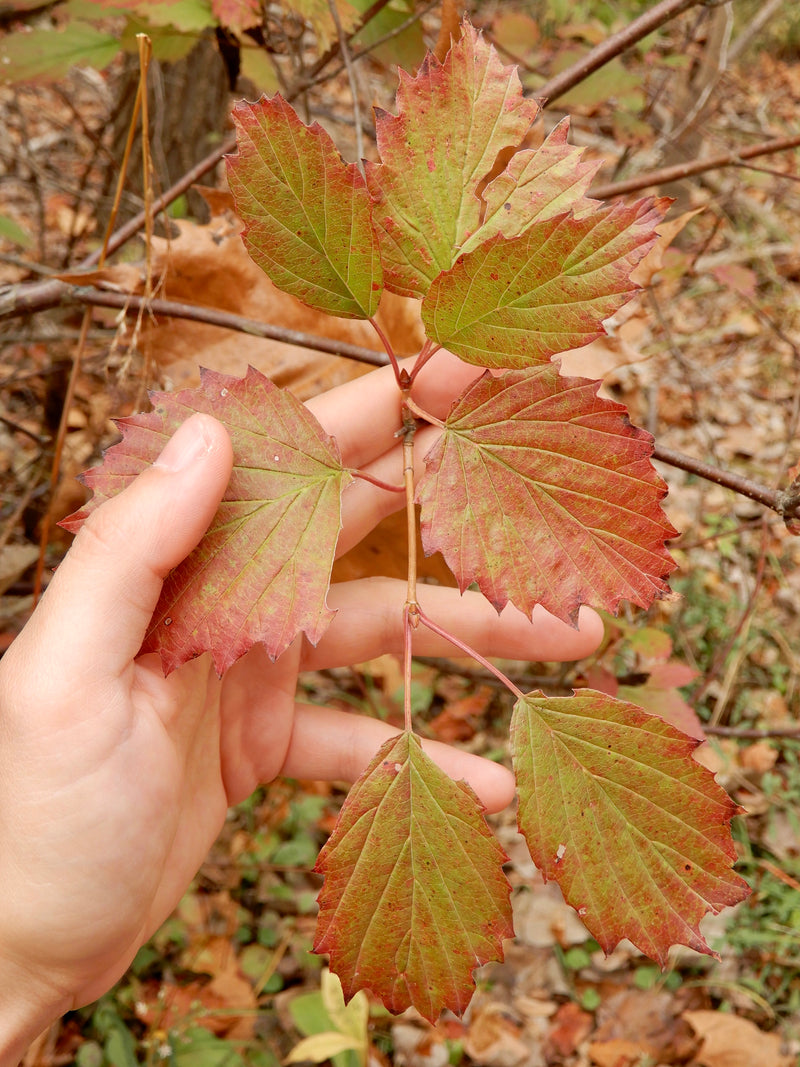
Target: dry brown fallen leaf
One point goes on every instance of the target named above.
(645, 1021)
(618, 1052)
(226, 1005)
(494, 1039)
(730, 1041)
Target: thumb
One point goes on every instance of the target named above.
(100, 601)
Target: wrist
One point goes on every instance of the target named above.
(27, 1007)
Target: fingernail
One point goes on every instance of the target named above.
(187, 444)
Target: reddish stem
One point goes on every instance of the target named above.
(465, 648)
(421, 413)
(378, 481)
(428, 349)
(389, 350)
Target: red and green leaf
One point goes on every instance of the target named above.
(261, 572)
(48, 54)
(415, 897)
(453, 118)
(614, 808)
(515, 302)
(306, 212)
(543, 493)
(536, 184)
(238, 16)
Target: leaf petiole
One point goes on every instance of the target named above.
(421, 413)
(381, 484)
(429, 349)
(388, 347)
(467, 650)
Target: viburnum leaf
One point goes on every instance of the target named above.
(236, 15)
(45, 54)
(614, 808)
(414, 897)
(306, 212)
(514, 302)
(543, 493)
(453, 118)
(261, 572)
(535, 185)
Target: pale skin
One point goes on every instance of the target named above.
(115, 781)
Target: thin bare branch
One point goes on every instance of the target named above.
(362, 53)
(753, 734)
(775, 499)
(734, 158)
(335, 49)
(227, 320)
(613, 46)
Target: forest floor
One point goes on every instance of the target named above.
(707, 359)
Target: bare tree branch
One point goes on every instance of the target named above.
(784, 501)
(734, 158)
(749, 734)
(213, 316)
(613, 46)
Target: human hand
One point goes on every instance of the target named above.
(115, 781)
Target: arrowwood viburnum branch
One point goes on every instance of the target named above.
(613, 46)
(692, 167)
(784, 502)
(752, 734)
(529, 493)
(215, 317)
